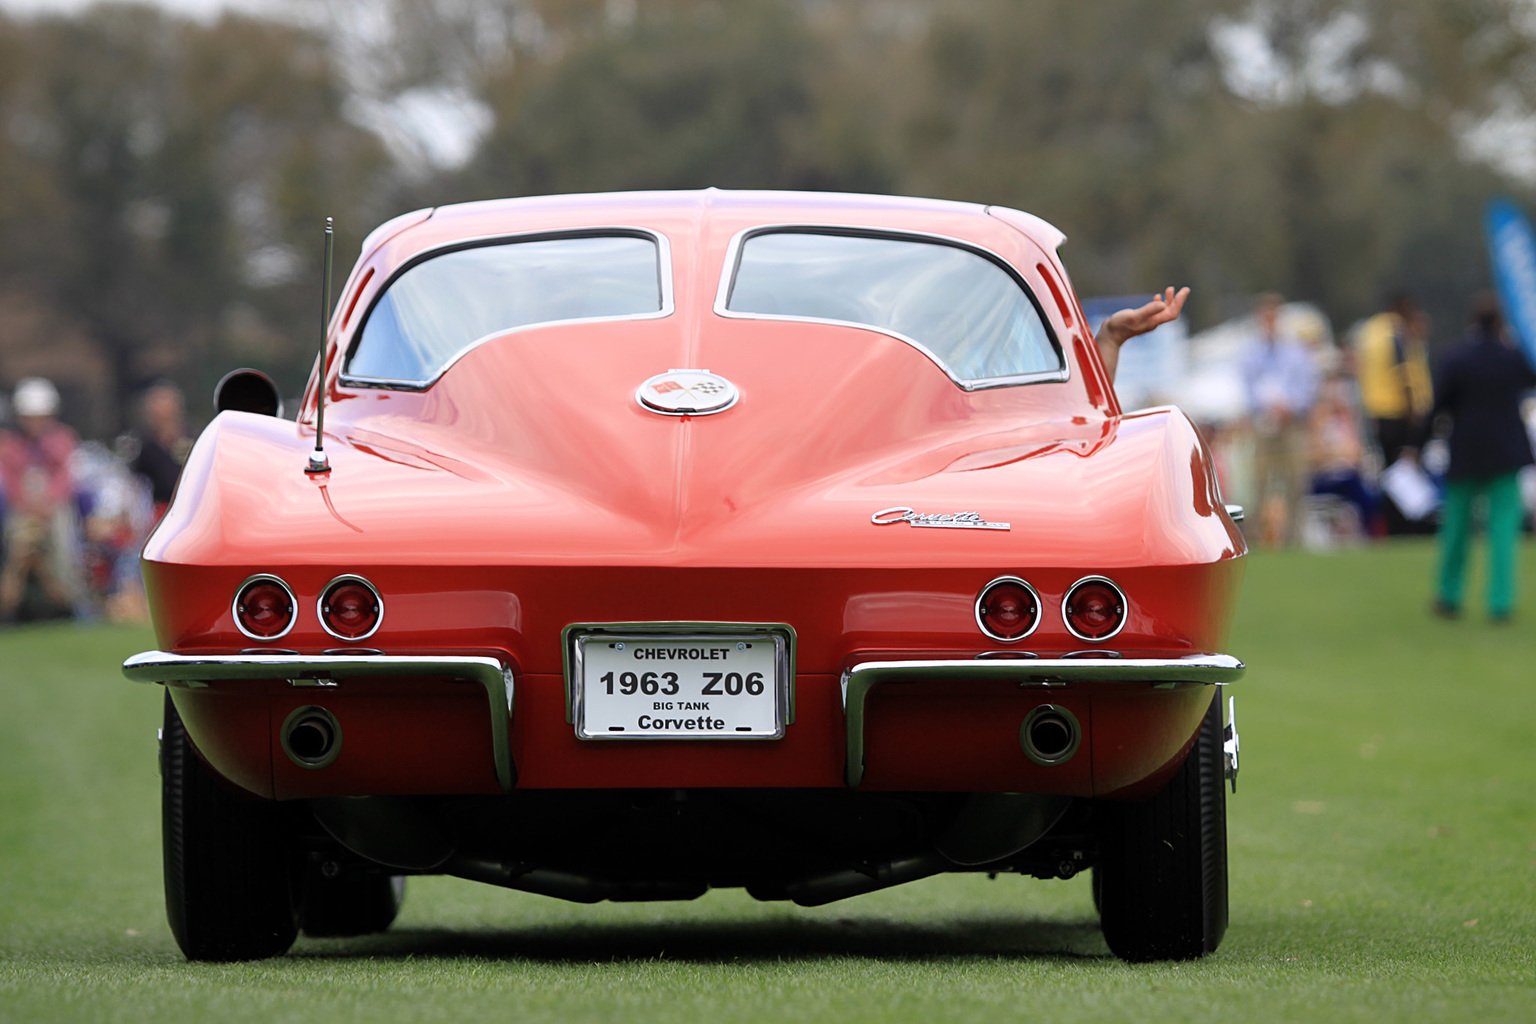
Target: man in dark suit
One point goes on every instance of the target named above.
(1478, 385)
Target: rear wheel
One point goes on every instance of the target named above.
(227, 894)
(343, 900)
(1161, 879)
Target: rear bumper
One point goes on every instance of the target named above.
(1044, 673)
(198, 670)
(1129, 676)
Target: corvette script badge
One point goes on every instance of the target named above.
(947, 520)
(687, 393)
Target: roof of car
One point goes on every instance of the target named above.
(680, 209)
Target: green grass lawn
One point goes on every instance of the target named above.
(1383, 863)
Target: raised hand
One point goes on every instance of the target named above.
(1120, 327)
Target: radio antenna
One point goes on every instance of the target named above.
(318, 462)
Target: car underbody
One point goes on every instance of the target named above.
(808, 846)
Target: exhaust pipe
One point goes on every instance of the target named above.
(1050, 735)
(566, 885)
(311, 736)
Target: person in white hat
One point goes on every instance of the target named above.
(34, 472)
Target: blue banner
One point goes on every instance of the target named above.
(1512, 249)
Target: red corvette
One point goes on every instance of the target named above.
(663, 542)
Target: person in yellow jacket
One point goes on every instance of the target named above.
(1392, 362)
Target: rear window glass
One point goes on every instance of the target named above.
(968, 313)
(440, 307)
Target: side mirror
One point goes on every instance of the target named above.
(247, 390)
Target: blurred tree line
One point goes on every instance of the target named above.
(162, 181)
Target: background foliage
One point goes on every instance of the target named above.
(162, 180)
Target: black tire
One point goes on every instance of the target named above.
(340, 901)
(1161, 876)
(227, 893)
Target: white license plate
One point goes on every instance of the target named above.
(721, 687)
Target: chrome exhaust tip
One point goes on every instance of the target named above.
(1050, 735)
(311, 736)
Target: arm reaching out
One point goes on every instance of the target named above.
(1121, 327)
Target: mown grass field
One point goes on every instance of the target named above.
(1383, 862)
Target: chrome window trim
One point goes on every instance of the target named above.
(234, 606)
(664, 281)
(1039, 609)
(859, 679)
(733, 262)
(200, 670)
(1125, 606)
(348, 577)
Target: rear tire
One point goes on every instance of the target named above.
(227, 894)
(1161, 878)
(351, 901)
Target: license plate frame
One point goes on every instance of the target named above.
(777, 697)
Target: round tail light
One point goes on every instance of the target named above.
(264, 608)
(1008, 609)
(1094, 609)
(350, 608)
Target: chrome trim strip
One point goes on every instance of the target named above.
(234, 607)
(1125, 609)
(571, 664)
(348, 577)
(860, 679)
(733, 259)
(664, 270)
(1231, 745)
(198, 670)
(1235, 512)
(1039, 609)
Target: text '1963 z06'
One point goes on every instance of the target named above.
(650, 543)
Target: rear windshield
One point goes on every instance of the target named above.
(969, 314)
(448, 303)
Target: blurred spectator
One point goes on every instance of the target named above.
(1280, 383)
(1312, 329)
(119, 513)
(163, 443)
(1478, 386)
(40, 533)
(1337, 455)
(1392, 364)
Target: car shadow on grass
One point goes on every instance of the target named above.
(734, 942)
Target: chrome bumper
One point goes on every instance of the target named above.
(199, 670)
(858, 681)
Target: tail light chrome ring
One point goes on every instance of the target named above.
(1066, 602)
(325, 592)
(1039, 609)
(293, 606)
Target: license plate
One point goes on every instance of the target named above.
(717, 687)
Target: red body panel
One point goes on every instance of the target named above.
(526, 490)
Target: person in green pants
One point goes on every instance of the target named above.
(1478, 385)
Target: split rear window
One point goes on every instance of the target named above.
(960, 307)
(965, 311)
(450, 302)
